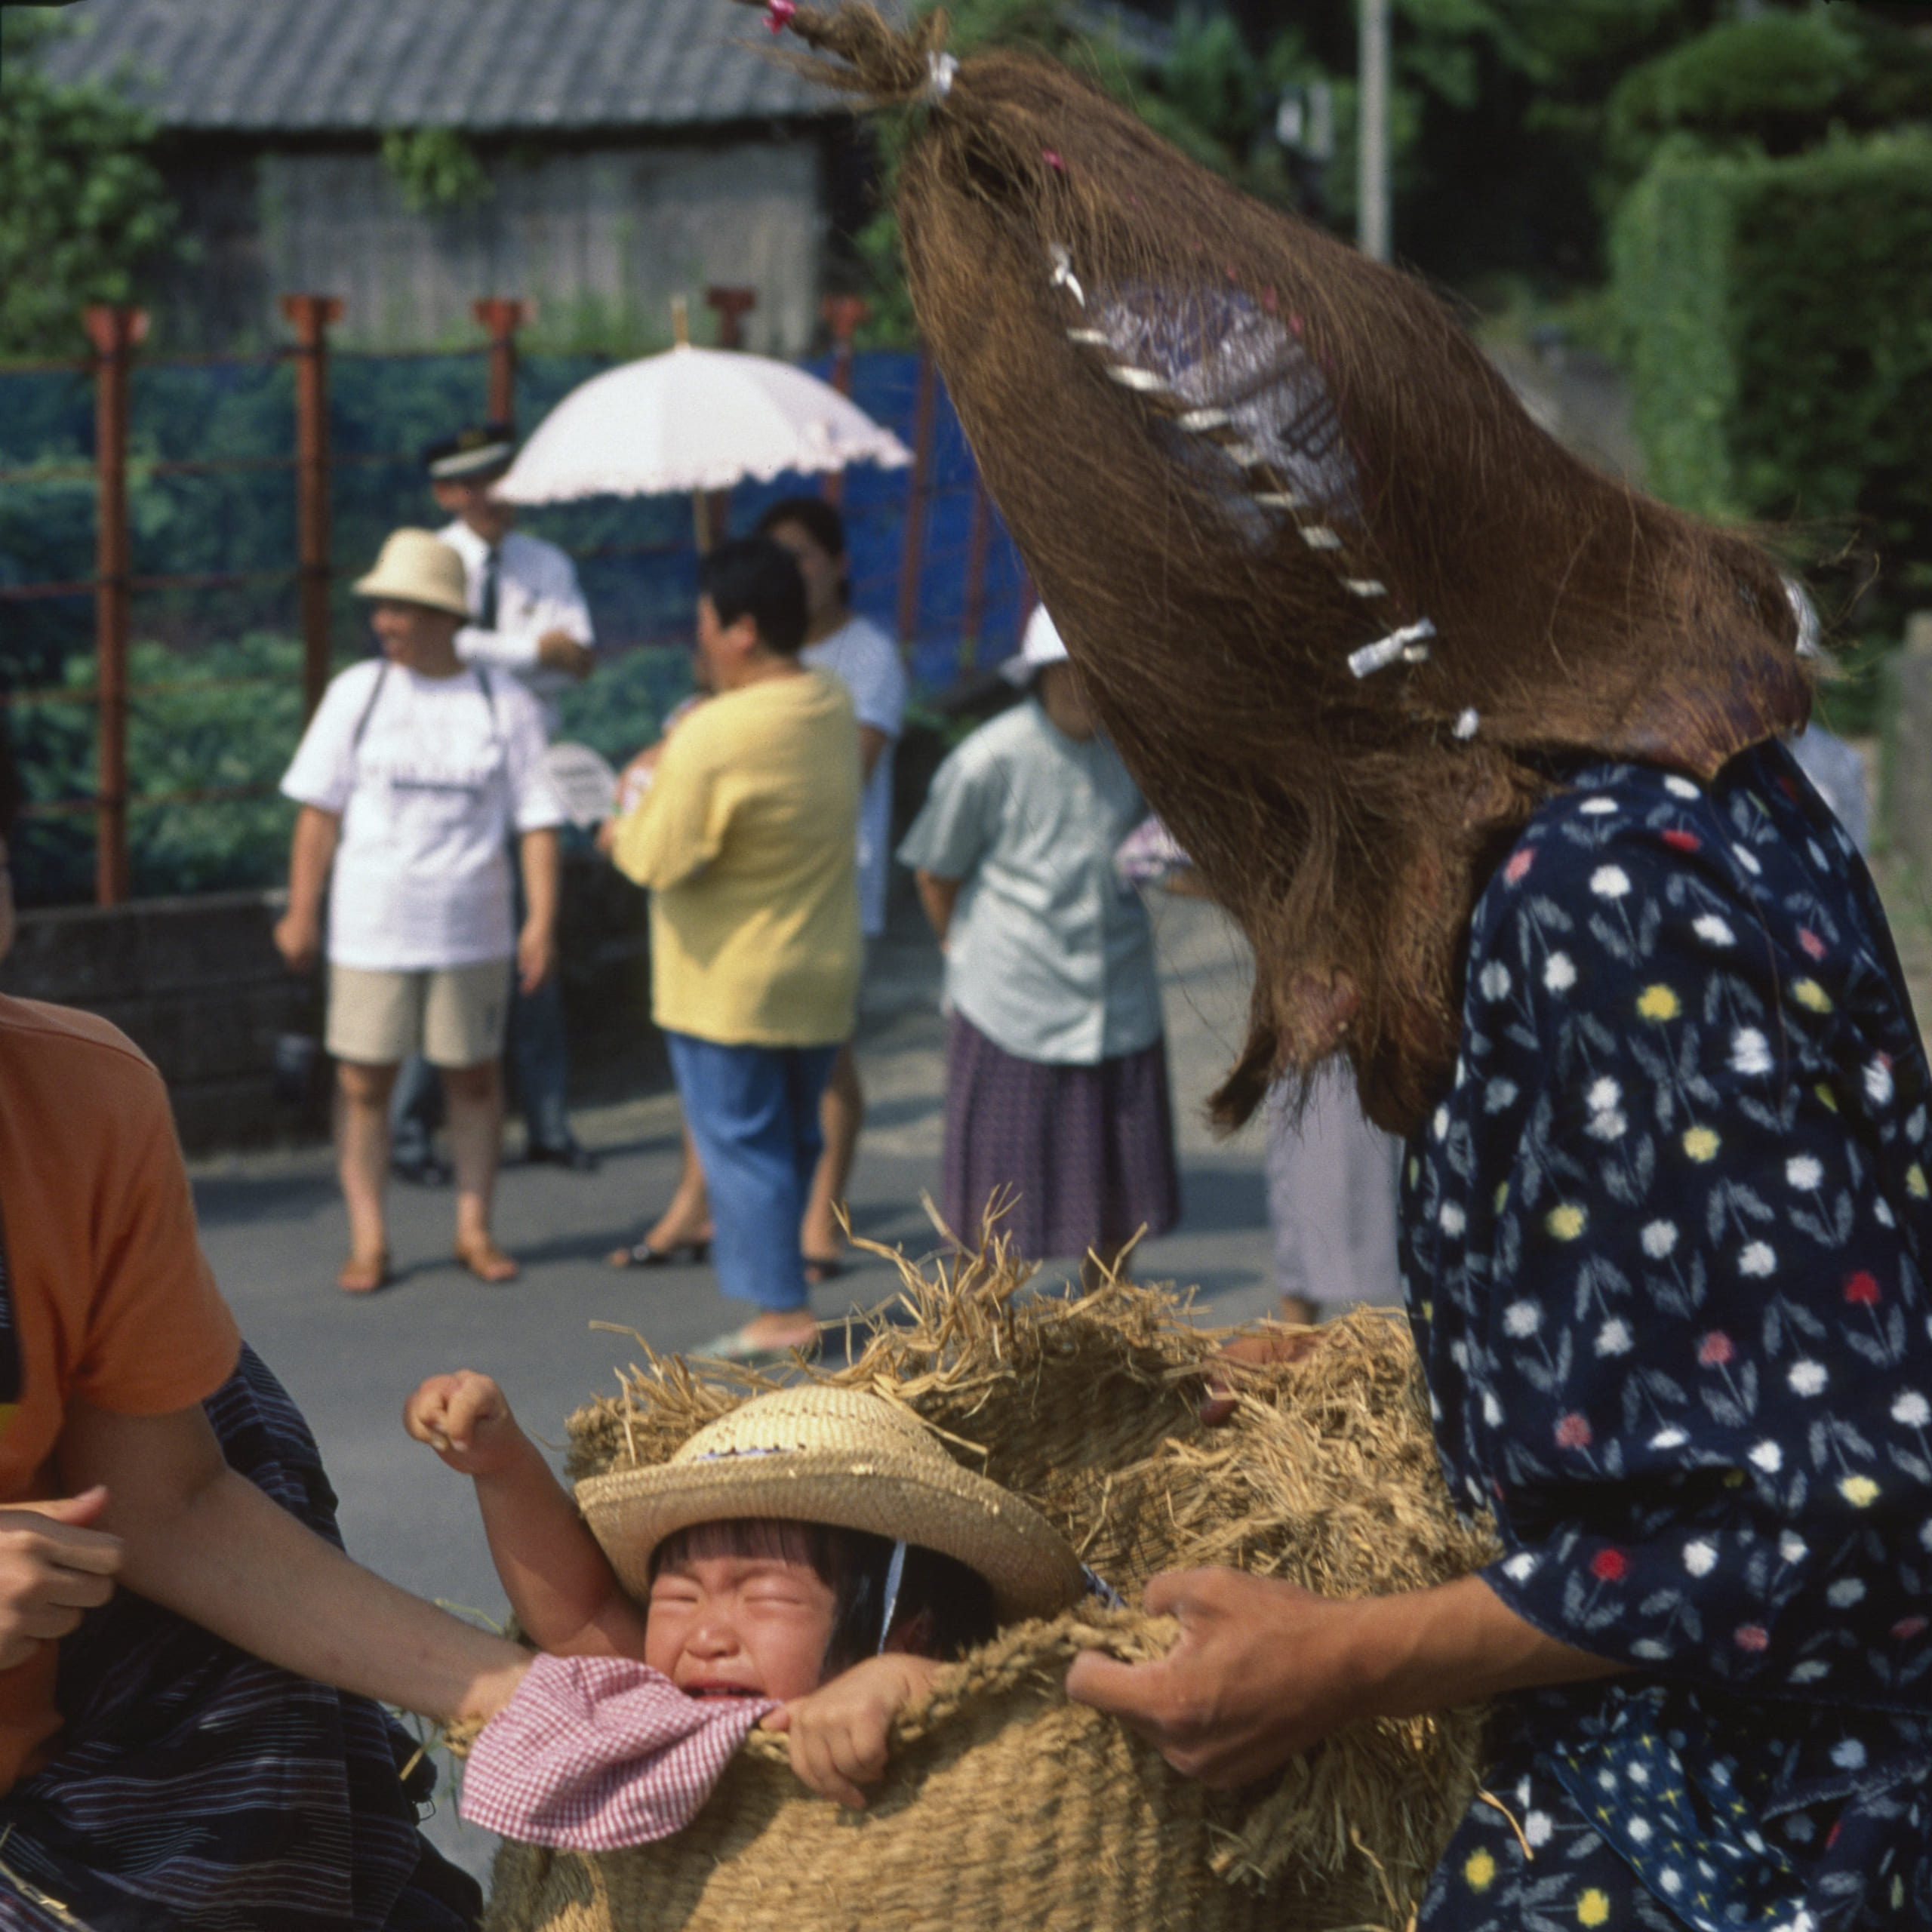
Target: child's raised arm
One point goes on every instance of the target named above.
(563, 1591)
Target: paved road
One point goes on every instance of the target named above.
(274, 1228)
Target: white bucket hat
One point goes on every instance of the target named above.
(417, 566)
(1041, 646)
(816, 1454)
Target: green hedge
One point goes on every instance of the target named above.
(1778, 319)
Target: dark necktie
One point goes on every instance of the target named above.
(486, 617)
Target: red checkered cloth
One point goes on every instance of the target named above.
(595, 1753)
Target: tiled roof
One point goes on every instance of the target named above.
(484, 66)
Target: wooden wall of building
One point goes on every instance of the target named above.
(599, 236)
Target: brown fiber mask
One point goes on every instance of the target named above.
(1338, 598)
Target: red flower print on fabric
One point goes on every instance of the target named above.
(1862, 1291)
(1683, 841)
(1609, 1566)
(1573, 1432)
(1751, 1637)
(1811, 942)
(1715, 1350)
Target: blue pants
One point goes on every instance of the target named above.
(753, 1112)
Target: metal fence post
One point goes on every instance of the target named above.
(311, 316)
(913, 555)
(115, 332)
(844, 313)
(732, 305)
(501, 319)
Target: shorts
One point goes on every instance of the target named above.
(452, 1015)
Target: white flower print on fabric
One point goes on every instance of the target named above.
(1559, 974)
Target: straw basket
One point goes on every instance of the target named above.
(1005, 1808)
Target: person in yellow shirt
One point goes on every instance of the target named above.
(746, 836)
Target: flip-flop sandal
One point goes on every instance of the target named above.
(361, 1276)
(488, 1263)
(642, 1254)
(738, 1346)
(820, 1268)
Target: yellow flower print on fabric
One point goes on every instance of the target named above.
(1479, 1871)
(1565, 1223)
(1808, 992)
(1824, 1092)
(1659, 1002)
(1915, 1181)
(1593, 1908)
(1861, 1492)
(1700, 1143)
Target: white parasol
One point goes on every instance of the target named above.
(693, 419)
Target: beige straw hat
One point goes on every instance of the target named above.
(815, 1454)
(417, 566)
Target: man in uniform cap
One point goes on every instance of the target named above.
(529, 618)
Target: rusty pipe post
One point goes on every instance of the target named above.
(501, 319)
(310, 315)
(732, 305)
(912, 556)
(843, 314)
(115, 332)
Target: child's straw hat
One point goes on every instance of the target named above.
(814, 1455)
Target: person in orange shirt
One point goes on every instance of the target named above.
(174, 1603)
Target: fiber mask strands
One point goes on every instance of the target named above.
(1339, 602)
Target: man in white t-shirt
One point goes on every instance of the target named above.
(528, 618)
(413, 775)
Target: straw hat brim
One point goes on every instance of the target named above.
(1032, 1570)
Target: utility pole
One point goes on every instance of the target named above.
(1372, 133)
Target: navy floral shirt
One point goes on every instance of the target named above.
(1663, 1248)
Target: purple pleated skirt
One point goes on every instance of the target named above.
(1085, 1155)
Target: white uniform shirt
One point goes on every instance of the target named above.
(445, 769)
(537, 591)
(861, 656)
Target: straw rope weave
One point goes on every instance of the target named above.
(1005, 1807)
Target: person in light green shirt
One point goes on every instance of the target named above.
(746, 836)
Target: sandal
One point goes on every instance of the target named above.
(487, 1262)
(363, 1275)
(740, 1347)
(642, 1254)
(820, 1268)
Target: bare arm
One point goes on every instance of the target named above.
(540, 854)
(298, 934)
(564, 1592)
(938, 897)
(205, 1543)
(1263, 1670)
